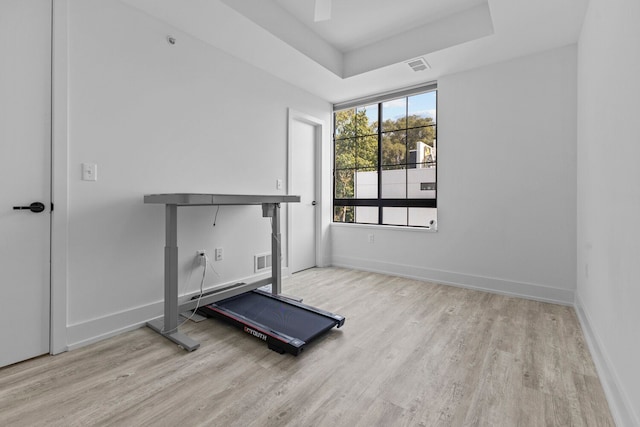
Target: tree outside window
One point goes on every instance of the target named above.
(385, 162)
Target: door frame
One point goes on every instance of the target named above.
(319, 128)
(59, 176)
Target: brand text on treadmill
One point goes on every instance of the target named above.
(256, 334)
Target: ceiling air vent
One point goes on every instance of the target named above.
(418, 64)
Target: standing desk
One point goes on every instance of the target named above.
(168, 325)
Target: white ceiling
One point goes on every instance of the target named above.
(364, 47)
(356, 23)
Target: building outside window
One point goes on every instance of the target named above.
(385, 157)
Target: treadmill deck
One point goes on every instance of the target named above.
(286, 325)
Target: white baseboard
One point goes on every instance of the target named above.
(94, 330)
(619, 403)
(487, 284)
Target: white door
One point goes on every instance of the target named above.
(303, 183)
(25, 173)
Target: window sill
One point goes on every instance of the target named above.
(384, 227)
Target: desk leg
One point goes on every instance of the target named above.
(171, 270)
(169, 327)
(272, 210)
(276, 252)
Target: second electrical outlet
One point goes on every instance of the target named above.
(218, 254)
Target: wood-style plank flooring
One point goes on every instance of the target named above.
(410, 354)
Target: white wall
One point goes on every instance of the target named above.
(158, 118)
(608, 250)
(506, 186)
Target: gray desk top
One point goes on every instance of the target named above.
(200, 199)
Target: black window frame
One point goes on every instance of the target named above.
(380, 202)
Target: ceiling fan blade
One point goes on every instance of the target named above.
(322, 10)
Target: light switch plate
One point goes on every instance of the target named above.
(89, 172)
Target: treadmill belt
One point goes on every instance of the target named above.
(284, 318)
(284, 324)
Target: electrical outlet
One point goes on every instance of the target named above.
(278, 184)
(202, 256)
(218, 254)
(371, 238)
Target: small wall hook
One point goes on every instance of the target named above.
(171, 39)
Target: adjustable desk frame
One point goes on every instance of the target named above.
(168, 325)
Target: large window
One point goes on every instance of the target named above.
(385, 160)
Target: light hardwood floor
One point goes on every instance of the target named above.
(410, 354)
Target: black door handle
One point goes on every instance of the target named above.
(313, 203)
(36, 207)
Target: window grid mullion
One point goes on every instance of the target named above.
(379, 168)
